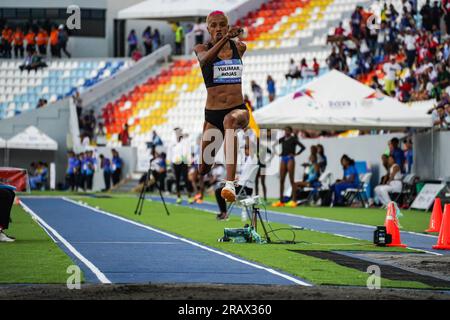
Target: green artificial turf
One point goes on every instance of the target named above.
(34, 257)
(202, 227)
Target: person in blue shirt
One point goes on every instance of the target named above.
(271, 88)
(88, 169)
(105, 164)
(397, 153)
(116, 167)
(350, 180)
(132, 42)
(409, 155)
(72, 168)
(40, 177)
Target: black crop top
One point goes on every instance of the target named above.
(223, 72)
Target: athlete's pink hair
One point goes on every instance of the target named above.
(216, 13)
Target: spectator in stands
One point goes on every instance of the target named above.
(136, 55)
(305, 72)
(199, 31)
(132, 42)
(316, 67)
(124, 136)
(179, 38)
(425, 12)
(32, 62)
(78, 103)
(397, 153)
(7, 38)
(409, 41)
(7, 196)
(446, 11)
(439, 117)
(116, 167)
(350, 180)
(156, 39)
(393, 183)
(147, 37)
(54, 47)
(40, 176)
(293, 72)
(18, 38)
(63, 38)
(321, 158)
(41, 103)
(436, 14)
(271, 88)
(390, 69)
(42, 41)
(356, 19)
(72, 170)
(289, 143)
(339, 30)
(105, 165)
(257, 93)
(30, 38)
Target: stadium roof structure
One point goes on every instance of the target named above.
(33, 139)
(335, 101)
(2, 143)
(177, 9)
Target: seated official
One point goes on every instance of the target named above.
(350, 180)
(7, 196)
(312, 174)
(40, 176)
(393, 183)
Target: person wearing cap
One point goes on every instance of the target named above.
(63, 38)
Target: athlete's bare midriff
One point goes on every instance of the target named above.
(224, 97)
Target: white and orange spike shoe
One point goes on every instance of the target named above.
(229, 192)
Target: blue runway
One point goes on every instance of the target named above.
(111, 249)
(353, 230)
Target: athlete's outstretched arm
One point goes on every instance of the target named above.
(206, 56)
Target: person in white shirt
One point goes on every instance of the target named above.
(393, 184)
(293, 71)
(390, 69)
(199, 32)
(246, 180)
(179, 156)
(409, 42)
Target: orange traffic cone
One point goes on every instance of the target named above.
(436, 217)
(443, 242)
(391, 225)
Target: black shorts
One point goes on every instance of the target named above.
(215, 117)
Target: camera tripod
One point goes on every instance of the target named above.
(148, 181)
(255, 215)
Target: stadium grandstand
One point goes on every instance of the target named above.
(103, 100)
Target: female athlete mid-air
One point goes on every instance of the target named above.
(221, 64)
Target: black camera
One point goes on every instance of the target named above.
(381, 237)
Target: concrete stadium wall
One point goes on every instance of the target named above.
(432, 155)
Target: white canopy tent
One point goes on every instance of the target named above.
(2, 143)
(335, 101)
(169, 9)
(32, 138)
